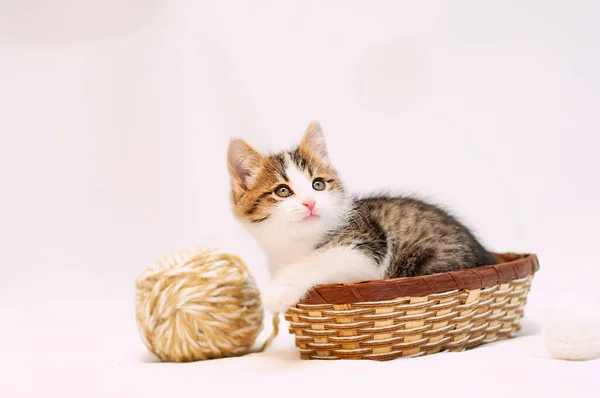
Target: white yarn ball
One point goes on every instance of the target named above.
(572, 328)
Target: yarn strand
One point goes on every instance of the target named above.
(274, 333)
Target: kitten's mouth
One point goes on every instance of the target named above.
(310, 217)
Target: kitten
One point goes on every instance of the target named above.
(312, 231)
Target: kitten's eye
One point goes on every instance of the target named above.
(283, 191)
(318, 184)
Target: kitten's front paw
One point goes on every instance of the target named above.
(280, 296)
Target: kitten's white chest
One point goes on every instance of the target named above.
(278, 256)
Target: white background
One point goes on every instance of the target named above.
(115, 117)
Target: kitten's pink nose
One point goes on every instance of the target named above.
(309, 204)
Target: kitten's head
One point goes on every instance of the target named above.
(291, 194)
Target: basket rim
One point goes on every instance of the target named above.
(511, 266)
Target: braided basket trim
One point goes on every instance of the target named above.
(374, 292)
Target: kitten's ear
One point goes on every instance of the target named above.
(243, 162)
(314, 141)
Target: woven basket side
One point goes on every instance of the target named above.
(409, 326)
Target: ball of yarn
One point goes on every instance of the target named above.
(198, 304)
(571, 329)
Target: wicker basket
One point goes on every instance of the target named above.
(410, 317)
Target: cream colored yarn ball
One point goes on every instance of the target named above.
(571, 328)
(198, 304)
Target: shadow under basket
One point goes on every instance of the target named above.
(410, 317)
